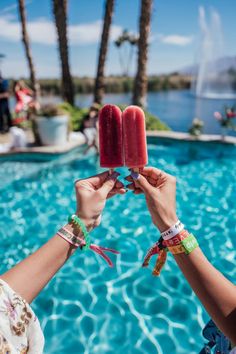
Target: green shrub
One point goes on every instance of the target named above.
(76, 115)
(152, 122)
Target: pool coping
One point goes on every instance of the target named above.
(159, 135)
(180, 136)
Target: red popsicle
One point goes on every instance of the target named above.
(110, 136)
(134, 137)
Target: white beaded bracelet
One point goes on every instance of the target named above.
(173, 230)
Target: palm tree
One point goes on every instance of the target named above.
(128, 40)
(99, 83)
(26, 42)
(140, 83)
(60, 15)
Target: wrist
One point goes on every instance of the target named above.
(88, 222)
(166, 223)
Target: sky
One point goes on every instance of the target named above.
(174, 38)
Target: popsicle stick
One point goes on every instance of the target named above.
(136, 169)
(111, 170)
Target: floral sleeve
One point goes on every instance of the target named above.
(20, 331)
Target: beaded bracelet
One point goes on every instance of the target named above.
(77, 221)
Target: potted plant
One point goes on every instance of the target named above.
(196, 127)
(51, 125)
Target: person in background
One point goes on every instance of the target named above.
(5, 115)
(24, 99)
(89, 127)
(19, 328)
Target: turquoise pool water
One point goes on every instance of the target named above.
(89, 308)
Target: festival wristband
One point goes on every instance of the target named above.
(71, 238)
(174, 241)
(189, 243)
(84, 242)
(173, 231)
(186, 246)
(177, 249)
(74, 219)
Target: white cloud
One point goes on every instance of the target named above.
(42, 31)
(14, 6)
(175, 39)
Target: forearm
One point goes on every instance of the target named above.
(31, 275)
(217, 294)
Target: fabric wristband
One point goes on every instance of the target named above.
(71, 238)
(186, 246)
(173, 231)
(76, 220)
(189, 243)
(177, 249)
(174, 241)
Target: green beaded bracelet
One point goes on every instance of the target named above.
(76, 220)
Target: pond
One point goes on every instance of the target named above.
(175, 108)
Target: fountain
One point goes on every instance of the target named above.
(213, 78)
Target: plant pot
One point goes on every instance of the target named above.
(53, 130)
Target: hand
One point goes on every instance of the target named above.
(92, 193)
(160, 192)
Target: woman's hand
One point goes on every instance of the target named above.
(92, 193)
(160, 192)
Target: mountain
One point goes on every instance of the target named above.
(221, 65)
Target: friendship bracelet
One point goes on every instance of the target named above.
(187, 245)
(173, 231)
(76, 220)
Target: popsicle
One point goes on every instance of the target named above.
(134, 138)
(110, 137)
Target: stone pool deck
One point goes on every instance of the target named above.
(187, 137)
(80, 141)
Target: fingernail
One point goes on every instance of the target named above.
(135, 175)
(114, 175)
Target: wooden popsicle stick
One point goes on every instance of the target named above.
(111, 170)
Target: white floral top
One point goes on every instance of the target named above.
(20, 331)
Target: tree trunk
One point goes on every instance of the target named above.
(140, 83)
(60, 14)
(26, 42)
(99, 83)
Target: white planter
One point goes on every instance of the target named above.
(53, 130)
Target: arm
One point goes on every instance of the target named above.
(4, 95)
(217, 294)
(31, 275)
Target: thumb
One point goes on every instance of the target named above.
(109, 183)
(142, 183)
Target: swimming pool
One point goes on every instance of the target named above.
(89, 308)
